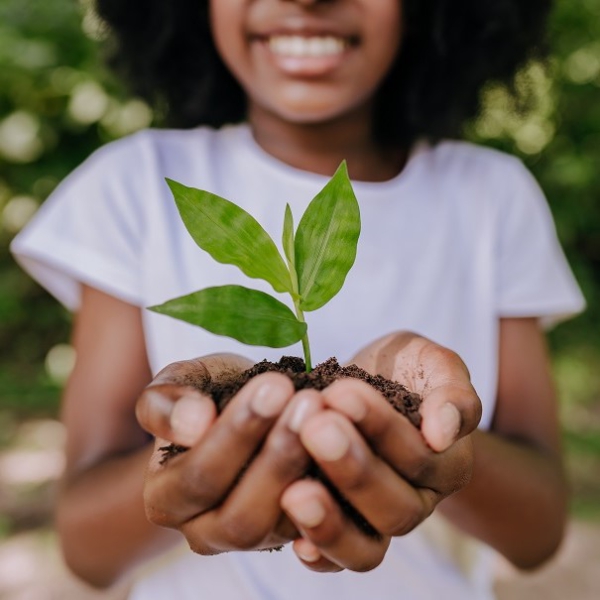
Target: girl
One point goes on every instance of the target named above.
(457, 244)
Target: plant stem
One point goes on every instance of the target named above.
(306, 348)
(300, 316)
(296, 294)
(305, 344)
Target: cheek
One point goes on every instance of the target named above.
(385, 31)
(227, 31)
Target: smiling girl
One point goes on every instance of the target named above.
(266, 98)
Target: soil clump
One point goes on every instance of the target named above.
(319, 378)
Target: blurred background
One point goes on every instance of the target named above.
(58, 103)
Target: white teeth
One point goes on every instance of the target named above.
(300, 47)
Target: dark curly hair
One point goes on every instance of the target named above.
(451, 49)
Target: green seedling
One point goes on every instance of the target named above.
(318, 257)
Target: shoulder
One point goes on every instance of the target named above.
(465, 158)
(180, 154)
(139, 162)
(151, 143)
(482, 176)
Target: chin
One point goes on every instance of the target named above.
(314, 117)
(309, 111)
(311, 105)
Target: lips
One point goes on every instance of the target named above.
(299, 46)
(305, 53)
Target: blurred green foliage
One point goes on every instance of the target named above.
(559, 140)
(58, 103)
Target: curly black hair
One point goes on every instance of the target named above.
(450, 51)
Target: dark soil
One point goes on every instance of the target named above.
(319, 378)
(323, 375)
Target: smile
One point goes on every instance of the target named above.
(296, 46)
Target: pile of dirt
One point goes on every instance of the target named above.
(319, 378)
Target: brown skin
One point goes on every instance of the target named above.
(197, 492)
(366, 161)
(396, 476)
(313, 122)
(526, 434)
(516, 506)
(516, 501)
(107, 451)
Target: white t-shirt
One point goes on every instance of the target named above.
(462, 237)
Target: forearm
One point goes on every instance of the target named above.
(516, 501)
(102, 523)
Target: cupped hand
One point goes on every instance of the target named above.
(224, 492)
(451, 408)
(391, 472)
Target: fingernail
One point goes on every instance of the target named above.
(299, 415)
(308, 553)
(188, 419)
(268, 401)
(310, 513)
(449, 419)
(327, 443)
(158, 403)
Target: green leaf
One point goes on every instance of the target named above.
(326, 241)
(249, 316)
(288, 236)
(230, 235)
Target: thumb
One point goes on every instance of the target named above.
(173, 408)
(449, 412)
(175, 413)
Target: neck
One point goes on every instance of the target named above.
(321, 147)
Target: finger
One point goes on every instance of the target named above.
(285, 529)
(321, 521)
(197, 480)
(178, 414)
(450, 408)
(387, 501)
(175, 407)
(247, 518)
(396, 440)
(198, 372)
(449, 412)
(311, 557)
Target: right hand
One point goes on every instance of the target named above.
(224, 493)
(393, 473)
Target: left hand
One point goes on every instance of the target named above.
(202, 492)
(392, 473)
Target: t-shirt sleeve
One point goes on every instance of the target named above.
(89, 230)
(534, 278)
